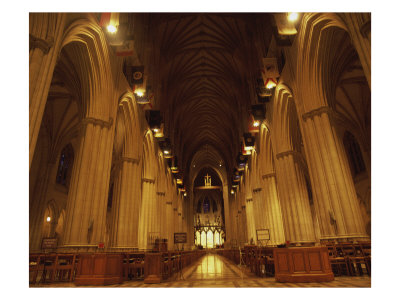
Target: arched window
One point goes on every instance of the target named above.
(206, 205)
(354, 155)
(65, 165)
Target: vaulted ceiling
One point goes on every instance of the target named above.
(205, 68)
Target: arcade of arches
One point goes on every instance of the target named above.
(216, 125)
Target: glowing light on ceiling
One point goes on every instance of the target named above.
(111, 28)
(293, 16)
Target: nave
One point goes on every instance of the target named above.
(215, 271)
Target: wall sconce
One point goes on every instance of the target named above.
(48, 219)
(248, 141)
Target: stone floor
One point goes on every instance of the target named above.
(214, 271)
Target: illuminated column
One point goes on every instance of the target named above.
(169, 215)
(295, 204)
(251, 230)
(126, 204)
(87, 198)
(259, 211)
(38, 206)
(273, 214)
(228, 226)
(45, 36)
(243, 224)
(148, 213)
(335, 198)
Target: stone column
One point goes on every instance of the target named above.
(169, 213)
(335, 199)
(273, 210)
(45, 37)
(251, 230)
(148, 213)
(126, 204)
(295, 204)
(85, 222)
(38, 207)
(228, 226)
(259, 210)
(243, 229)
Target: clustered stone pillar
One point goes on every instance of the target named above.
(38, 207)
(87, 198)
(295, 204)
(273, 214)
(251, 230)
(44, 45)
(169, 212)
(335, 197)
(148, 224)
(228, 228)
(126, 204)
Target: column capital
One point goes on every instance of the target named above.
(265, 176)
(249, 199)
(129, 159)
(257, 190)
(168, 203)
(149, 180)
(160, 193)
(287, 153)
(243, 207)
(317, 112)
(95, 121)
(44, 45)
(175, 209)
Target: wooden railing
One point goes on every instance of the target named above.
(52, 267)
(108, 268)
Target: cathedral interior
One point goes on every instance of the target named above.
(157, 138)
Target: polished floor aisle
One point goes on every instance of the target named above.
(216, 271)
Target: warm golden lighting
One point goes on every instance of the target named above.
(111, 28)
(166, 152)
(232, 192)
(185, 194)
(293, 16)
(271, 84)
(256, 123)
(48, 219)
(155, 129)
(139, 93)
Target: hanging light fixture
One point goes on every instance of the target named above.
(241, 161)
(249, 142)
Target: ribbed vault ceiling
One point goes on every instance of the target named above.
(207, 66)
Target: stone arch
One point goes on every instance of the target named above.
(85, 40)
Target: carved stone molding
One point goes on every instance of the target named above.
(175, 209)
(265, 176)
(149, 180)
(243, 207)
(161, 193)
(95, 121)
(44, 45)
(287, 153)
(129, 159)
(257, 190)
(317, 112)
(249, 200)
(168, 203)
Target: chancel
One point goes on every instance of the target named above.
(165, 148)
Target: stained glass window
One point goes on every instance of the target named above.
(65, 165)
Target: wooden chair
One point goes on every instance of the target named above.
(33, 267)
(65, 267)
(366, 249)
(339, 261)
